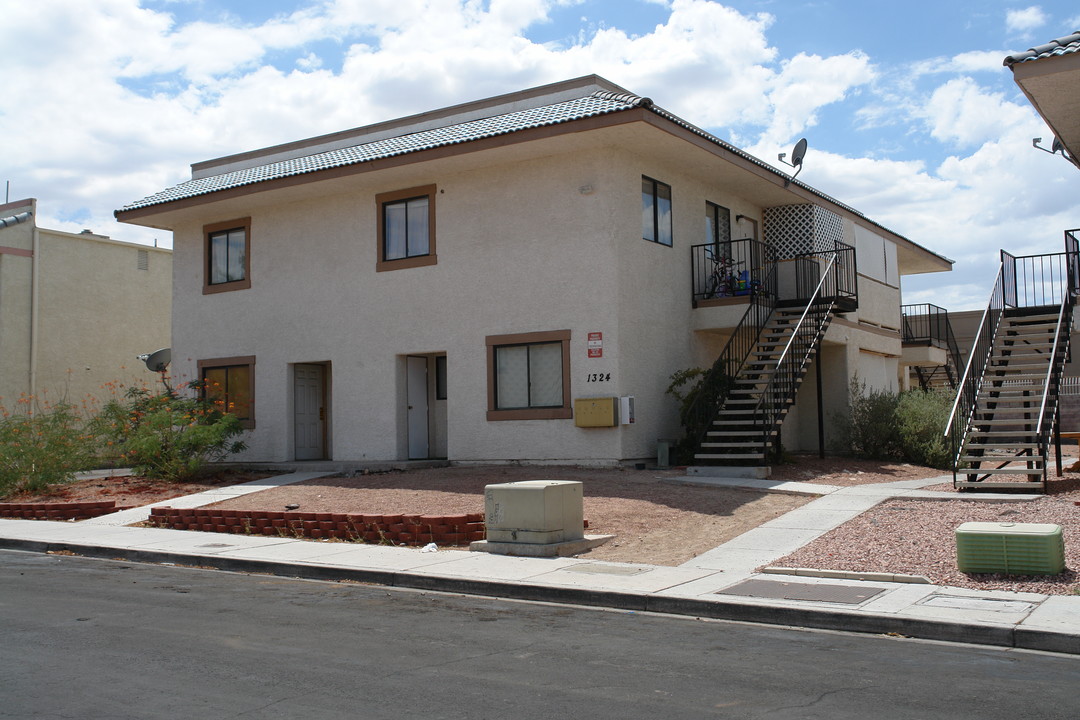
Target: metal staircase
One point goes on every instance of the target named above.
(1006, 409)
(745, 397)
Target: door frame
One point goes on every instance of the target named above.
(324, 404)
(427, 407)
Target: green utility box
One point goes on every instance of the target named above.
(1010, 548)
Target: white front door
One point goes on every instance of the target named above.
(416, 393)
(309, 412)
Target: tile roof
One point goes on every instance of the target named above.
(1061, 46)
(598, 103)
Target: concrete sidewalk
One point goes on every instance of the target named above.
(722, 583)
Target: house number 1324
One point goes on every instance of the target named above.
(598, 377)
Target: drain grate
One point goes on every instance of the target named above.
(846, 594)
(209, 545)
(606, 570)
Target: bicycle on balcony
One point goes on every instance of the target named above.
(728, 279)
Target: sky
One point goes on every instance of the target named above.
(909, 114)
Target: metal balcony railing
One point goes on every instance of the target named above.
(734, 268)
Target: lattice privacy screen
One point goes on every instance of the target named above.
(799, 229)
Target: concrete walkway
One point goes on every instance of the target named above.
(721, 583)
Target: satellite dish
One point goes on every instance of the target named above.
(1055, 148)
(158, 360)
(798, 153)
(797, 156)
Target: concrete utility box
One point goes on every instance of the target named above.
(534, 511)
(1010, 548)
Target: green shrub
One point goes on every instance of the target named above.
(42, 446)
(168, 435)
(869, 429)
(908, 426)
(921, 416)
(687, 386)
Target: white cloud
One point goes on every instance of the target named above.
(115, 103)
(962, 112)
(966, 62)
(1025, 20)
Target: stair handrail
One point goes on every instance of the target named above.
(1062, 336)
(1064, 315)
(967, 391)
(769, 391)
(705, 406)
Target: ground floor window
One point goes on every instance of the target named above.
(229, 383)
(529, 376)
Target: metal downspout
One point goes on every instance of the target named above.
(35, 284)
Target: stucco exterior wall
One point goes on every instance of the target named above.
(528, 245)
(520, 250)
(97, 310)
(539, 236)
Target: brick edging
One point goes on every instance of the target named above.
(60, 510)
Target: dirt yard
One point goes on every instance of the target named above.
(668, 523)
(653, 522)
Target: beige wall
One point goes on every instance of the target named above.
(521, 248)
(536, 237)
(96, 311)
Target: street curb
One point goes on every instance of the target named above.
(802, 617)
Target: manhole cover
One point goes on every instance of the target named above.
(847, 594)
(215, 545)
(971, 603)
(606, 570)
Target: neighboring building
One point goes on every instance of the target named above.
(76, 309)
(449, 284)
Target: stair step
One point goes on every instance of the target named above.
(730, 456)
(1006, 365)
(1007, 421)
(990, 486)
(1000, 471)
(1000, 458)
(734, 433)
(997, 433)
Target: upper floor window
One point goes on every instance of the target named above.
(655, 211)
(227, 250)
(717, 224)
(406, 228)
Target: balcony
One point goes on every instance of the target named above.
(930, 349)
(727, 275)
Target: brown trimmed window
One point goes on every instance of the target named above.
(529, 376)
(228, 256)
(229, 383)
(655, 211)
(406, 228)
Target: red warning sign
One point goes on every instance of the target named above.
(596, 344)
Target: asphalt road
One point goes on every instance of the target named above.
(82, 638)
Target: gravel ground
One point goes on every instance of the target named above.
(917, 537)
